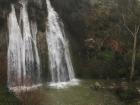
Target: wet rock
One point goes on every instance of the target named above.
(97, 86)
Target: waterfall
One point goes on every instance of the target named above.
(34, 33)
(30, 54)
(61, 69)
(23, 57)
(14, 51)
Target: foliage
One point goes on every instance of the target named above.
(107, 55)
(128, 95)
(7, 97)
(102, 22)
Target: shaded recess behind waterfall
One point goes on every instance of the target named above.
(38, 13)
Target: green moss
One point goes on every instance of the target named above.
(107, 55)
(7, 98)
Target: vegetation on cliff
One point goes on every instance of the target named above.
(102, 45)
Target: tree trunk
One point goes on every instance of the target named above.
(133, 58)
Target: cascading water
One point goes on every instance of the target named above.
(61, 68)
(14, 51)
(23, 58)
(30, 54)
(34, 33)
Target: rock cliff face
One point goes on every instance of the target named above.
(4, 11)
(3, 55)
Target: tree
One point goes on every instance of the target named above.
(134, 35)
(129, 13)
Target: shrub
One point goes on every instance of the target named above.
(127, 95)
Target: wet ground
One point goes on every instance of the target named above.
(82, 94)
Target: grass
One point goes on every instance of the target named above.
(80, 95)
(7, 98)
(83, 94)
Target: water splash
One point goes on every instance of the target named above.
(61, 68)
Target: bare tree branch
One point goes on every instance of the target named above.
(128, 29)
(137, 29)
(134, 34)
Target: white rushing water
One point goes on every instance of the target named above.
(60, 63)
(14, 51)
(23, 57)
(30, 53)
(34, 37)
